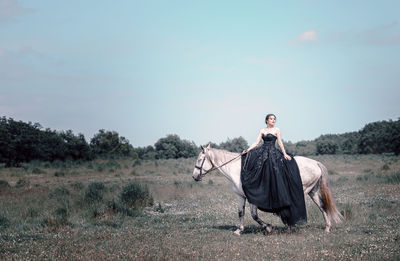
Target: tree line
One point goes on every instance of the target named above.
(24, 142)
(374, 138)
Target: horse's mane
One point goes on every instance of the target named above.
(226, 152)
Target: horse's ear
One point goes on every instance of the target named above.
(209, 145)
(202, 148)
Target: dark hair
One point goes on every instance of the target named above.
(268, 115)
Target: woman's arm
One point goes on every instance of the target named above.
(280, 143)
(255, 143)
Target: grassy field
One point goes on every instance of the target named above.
(52, 211)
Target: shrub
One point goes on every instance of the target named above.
(59, 174)
(363, 177)
(4, 184)
(136, 196)
(137, 162)
(385, 167)
(113, 164)
(100, 167)
(77, 185)
(61, 214)
(90, 165)
(38, 171)
(55, 222)
(393, 178)
(59, 193)
(326, 147)
(3, 220)
(94, 192)
(94, 211)
(22, 183)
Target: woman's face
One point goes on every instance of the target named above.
(271, 120)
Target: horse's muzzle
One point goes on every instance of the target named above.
(196, 178)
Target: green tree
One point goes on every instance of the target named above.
(173, 147)
(326, 147)
(76, 147)
(235, 145)
(380, 137)
(110, 143)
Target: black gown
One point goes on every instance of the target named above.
(273, 183)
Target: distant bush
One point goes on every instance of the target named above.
(61, 215)
(136, 162)
(77, 185)
(38, 171)
(94, 192)
(135, 196)
(326, 147)
(60, 193)
(4, 222)
(385, 167)
(22, 182)
(113, 164)
(59, 174)
(4, 184)
(393, 178)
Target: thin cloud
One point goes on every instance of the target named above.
(307, 37)
(9, 9)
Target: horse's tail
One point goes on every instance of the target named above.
(327, 198)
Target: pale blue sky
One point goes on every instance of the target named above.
(205, 70)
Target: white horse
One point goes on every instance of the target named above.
(313, 174)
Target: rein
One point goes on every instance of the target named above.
(213, 166)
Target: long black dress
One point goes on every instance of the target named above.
(273, 183)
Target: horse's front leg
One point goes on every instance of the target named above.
(241, 207)
(254, 215)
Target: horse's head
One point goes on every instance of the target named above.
(203, 164)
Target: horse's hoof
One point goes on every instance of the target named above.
(237, 232)
(327, 229)
(268, 228)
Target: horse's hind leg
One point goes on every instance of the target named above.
(254, 215)
(316, 197)
(241, 207)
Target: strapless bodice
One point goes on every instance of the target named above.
(269, 139)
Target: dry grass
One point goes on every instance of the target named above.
(43, 215)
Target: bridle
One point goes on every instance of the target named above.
(213, 166)
(201, 167)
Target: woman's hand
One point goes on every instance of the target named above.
(287, 157)
(244, 152)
